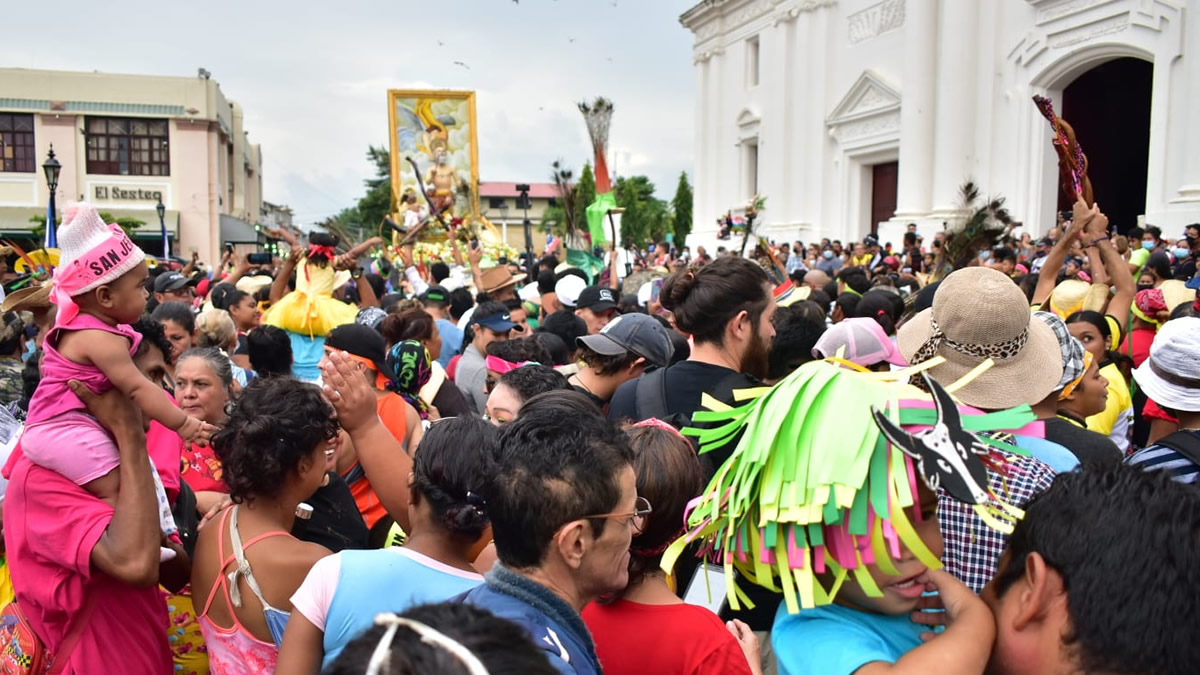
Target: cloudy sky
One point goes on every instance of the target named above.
(312, 76)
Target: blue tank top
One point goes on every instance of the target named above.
(385, 580)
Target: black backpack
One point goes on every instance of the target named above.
(1185, 443)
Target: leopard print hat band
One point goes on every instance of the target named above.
(998, 351)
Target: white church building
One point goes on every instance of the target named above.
(852, 115)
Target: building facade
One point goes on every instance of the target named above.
(857, 115)
(125, 142)
(499, 202)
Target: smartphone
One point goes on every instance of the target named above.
(229, 247)
(259, 258)
(474, 243)
(707, 588)
(655, 289)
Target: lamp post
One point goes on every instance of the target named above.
(162, 224)
(52, 168)
(523, 203)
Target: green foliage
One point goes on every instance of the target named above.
(585, 188)
(646, 218)
(681, 205)
(38, 232)
(554, 219)
(361, 221)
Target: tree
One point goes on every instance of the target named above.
(361, 221)
(585, 189)
(681, 205)
(646, 218)
(38, 232)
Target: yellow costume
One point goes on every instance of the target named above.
(311, 309)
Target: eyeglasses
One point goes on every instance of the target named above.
(637, 518)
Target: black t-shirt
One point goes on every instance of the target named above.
(450, 401)
(1088, 446)
(600, 403)
(243, 348)
(686, 383)
(336, 522)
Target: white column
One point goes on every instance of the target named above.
(1189, 179)
(914, 185)
(954, 144)
(702, 164)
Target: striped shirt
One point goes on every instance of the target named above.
(1162, 458)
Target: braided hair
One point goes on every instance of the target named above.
(449, 472)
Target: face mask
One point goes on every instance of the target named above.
(1148, 245)
(828, 255)
(984, 255)
(30, 348)
(1145, 287)
(1180, 252)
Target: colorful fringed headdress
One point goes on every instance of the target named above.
(827, 462)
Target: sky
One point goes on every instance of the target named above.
(312, 77)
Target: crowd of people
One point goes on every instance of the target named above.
(333, 463)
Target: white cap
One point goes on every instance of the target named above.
(568, 289)
(1170, 376)
(529, 293)
(644, 294)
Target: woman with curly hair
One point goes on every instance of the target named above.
(343, 593)
(273, 449)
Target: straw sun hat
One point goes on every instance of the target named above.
(979, 313)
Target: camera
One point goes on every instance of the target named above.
(259, 258)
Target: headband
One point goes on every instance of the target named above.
(501, 366)
(1070, 388)
(382, 655)
(658, 424)
(325, 251)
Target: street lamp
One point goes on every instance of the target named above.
(52, 168)
(523, 203)
(162, 224)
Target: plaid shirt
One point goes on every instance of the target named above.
(972, 548)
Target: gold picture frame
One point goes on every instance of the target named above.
(428, 125)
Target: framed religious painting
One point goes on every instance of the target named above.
(436, 130)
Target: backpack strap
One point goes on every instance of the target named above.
(63, 656)
(651, 395)
(1185, 443)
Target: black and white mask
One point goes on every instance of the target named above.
(947, 456)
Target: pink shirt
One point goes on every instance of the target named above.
(53, 397)
(51, 526)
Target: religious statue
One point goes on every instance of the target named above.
(442, 179)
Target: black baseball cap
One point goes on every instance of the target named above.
(597, 299)
(436, 295)
(640, 334)
(359, 340)
(170, 281)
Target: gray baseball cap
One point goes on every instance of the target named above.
(640, 334)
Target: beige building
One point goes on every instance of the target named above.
(125, 142)
(499, 203)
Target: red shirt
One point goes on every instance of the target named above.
(51, 526)
(1137, 345)
(635, 638)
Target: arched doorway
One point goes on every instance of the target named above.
(1109, 107)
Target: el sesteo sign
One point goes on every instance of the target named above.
(131, 194)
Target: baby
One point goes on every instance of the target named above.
(99, 290)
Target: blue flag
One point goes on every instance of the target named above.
(51, 240)
(166, 241)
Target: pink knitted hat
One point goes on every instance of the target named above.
(91, 254)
